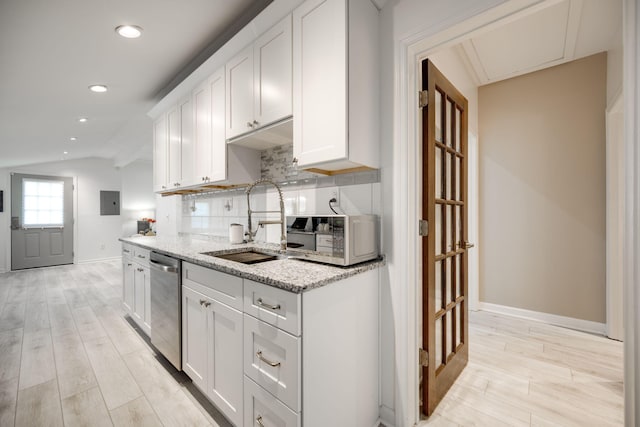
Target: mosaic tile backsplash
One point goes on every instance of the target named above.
(304, 193)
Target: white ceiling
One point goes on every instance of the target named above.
(51, 51)
(549, 34)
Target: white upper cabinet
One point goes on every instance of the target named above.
(240, 93)
(208, 126)
(180, 161)
(335, 84)
(272, 74)
(258, 82)
(160, 150)
(215, 162)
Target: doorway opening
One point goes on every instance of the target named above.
(446, 40)
(41, 221)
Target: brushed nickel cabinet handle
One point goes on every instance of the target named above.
(267, 361)
(259, 421)
(255, 123)
(249, 124)
(270, 307)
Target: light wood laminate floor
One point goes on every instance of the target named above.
(526, 373)
(69, 358)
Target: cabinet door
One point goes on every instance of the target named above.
(194, 336)
(160, 148)
(138, 295)
(225, 360)
(147, 301)
(187, 161)
(262, 409)
(174, 161)
(127, 284)
(239, 99)
(218, 155)
(272, 75)
(202, 131)
(320, 81)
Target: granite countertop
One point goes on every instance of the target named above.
(291, 274)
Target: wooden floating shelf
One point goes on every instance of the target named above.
(339, 171)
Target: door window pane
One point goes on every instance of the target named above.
(438, 116)
(447, 183)
(438, 342)
(438, 168)
(448, 280)
(449, 336)
(458, 118)
(42, 203)
(439, 226)
(438, 290)
(458, 325)
(448, 135)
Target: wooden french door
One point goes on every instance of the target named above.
(444, 249)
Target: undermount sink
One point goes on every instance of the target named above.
(250, 256)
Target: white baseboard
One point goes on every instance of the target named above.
(552, 319)
(91, 261)
(387, 416)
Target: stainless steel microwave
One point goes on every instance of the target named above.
(334, 239)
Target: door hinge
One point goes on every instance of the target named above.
(423, 98)
(423, 355)
(423, 227)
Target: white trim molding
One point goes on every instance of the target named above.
(551, 319)
(631, 243)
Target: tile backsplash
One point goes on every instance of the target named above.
(303, 192)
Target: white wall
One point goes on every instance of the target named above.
(137, 198)
(96, 236)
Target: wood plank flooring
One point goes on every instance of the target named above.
(68, 356)
(525, 373)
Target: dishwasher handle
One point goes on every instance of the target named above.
(162, 267)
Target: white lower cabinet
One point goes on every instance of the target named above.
(142, 297)
(272, 359)
(267, 357)
(212, 340)
(127, 283)
(136, 285)
(262, 409)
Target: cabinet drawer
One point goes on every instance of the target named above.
(141, 256)
(272, 305)
(272, 360)
(262, 407)
(127, 250)
(214, 284)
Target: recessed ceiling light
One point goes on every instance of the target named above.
(65, 152)
(129, 31)
(83, 119)
(73, 138)
(98, 88)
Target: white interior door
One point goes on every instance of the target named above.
(41, 221)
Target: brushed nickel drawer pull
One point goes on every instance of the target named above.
(270, 307)
(259, 421)
(267, 361)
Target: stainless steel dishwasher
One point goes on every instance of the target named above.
(166, 307)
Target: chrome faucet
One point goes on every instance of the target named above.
(251, 234)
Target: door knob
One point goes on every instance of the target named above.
(468, 245)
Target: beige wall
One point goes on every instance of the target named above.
(542, 190)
